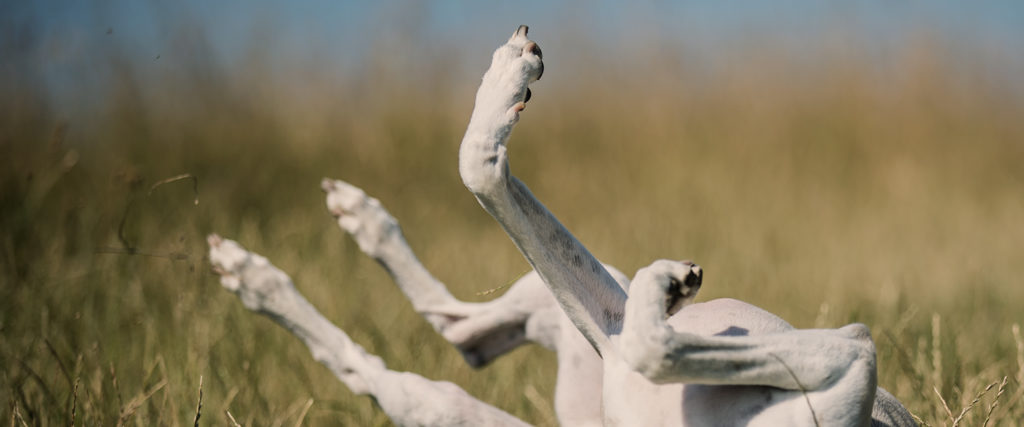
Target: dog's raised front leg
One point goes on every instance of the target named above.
(586, 292)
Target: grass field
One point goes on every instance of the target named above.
(827, 192)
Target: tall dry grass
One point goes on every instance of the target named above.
(828, 188)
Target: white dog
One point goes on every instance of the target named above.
(663, 360)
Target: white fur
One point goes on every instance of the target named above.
(659, 372)
(481, 331)
(407, 398)
(529, 305)
(722, 362)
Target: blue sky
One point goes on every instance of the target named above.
(346, 26)
(72, 36)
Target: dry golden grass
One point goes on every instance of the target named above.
(828, 193)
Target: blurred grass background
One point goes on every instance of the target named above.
(828, 186)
